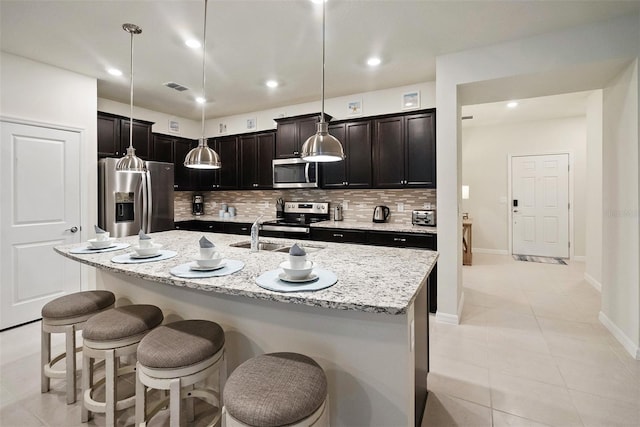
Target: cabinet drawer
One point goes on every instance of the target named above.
(339, 235)
(237, 228)
(402, 240)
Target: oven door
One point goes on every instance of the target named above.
(294, 173)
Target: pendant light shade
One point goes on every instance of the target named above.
(130, 162)
(322, 147)
(203, 157)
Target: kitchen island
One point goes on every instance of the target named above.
(369, 331)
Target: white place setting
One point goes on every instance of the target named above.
(101, 243)
(210, 263)
(145, 251)
(296, 274)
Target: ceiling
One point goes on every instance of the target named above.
(251, 41)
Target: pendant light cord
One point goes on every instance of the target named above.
(323, 37)
(204, 54)
(131, 95)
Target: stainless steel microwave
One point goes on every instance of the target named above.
(294, 173)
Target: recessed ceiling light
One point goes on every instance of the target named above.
(374, 61)
(272, 83)
(318, 1)
(193, 43)
(114, 71)
(200, 100)
(512, 104)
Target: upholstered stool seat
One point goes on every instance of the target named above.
(109, 336)
(174, 357)
(68, 314)
(277, 389)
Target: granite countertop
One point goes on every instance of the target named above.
(368, 278)
(345, 225)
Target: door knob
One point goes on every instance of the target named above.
(515, 210)
(72, 229)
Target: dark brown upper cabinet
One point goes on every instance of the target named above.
(404, 151)
(355, 170)
(256, 154)
(113, 136)
(292, 132)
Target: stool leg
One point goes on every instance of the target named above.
(110, 387)
(70, 341)
(87, 383)
(141, 400)
(45, 358)
(189, 403)
(175, 403)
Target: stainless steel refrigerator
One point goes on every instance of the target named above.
(130, 202)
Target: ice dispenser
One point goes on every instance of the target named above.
(124, 207)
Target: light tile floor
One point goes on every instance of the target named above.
(528, 352)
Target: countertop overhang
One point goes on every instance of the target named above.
(370, 278)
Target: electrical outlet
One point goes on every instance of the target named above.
(345, 205)
(427, 205)
(400, 207)
(266, 204)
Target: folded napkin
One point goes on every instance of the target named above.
(296, 250)
(143, 236)
(98, 229)
(206, 243)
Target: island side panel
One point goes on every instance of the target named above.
(367, 356)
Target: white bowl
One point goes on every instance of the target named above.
(210, 262)
(152, 250)
(100, 244)
(297, 273)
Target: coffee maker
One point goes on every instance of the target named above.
(197, 207)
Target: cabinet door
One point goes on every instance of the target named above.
(248, 162)
(162, 148)
(227, 148)
(306, 128)
(184, 178)
(286, 140)
(108, 136)
(389, 152)
(420, 146)
(141, 138)
(334, 174)
(266, 149)
(358, 151)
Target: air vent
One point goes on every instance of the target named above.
(176, 86)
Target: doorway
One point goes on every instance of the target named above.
(540, 205)
(40, 209)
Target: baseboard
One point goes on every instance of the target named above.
(627, 343)
(593, 282)
(579, 258)
(490, 251)
(451, 319)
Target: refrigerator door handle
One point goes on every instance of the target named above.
(147, 201)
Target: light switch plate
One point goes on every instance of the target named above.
(400, 207)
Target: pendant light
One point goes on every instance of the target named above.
(203, 157)
(322, 147)
(130, 162)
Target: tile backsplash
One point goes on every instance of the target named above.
(357, 204)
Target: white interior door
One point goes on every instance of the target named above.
(540, 205)
(40, 194)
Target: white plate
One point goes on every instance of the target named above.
(195, 267)
(93, 248)
(136, 256)
(310, 278)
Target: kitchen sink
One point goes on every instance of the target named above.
(276, 247)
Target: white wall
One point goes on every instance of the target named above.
(485, 157)
(37, 92)
(621, 227)
(540, 65)
(593, 244)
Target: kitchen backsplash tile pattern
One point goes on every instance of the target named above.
(357, 204)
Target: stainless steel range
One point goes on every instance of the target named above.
(295, 219)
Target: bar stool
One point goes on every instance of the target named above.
(109, 336)
(276, 389)
(176, 357)
(68, 314)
